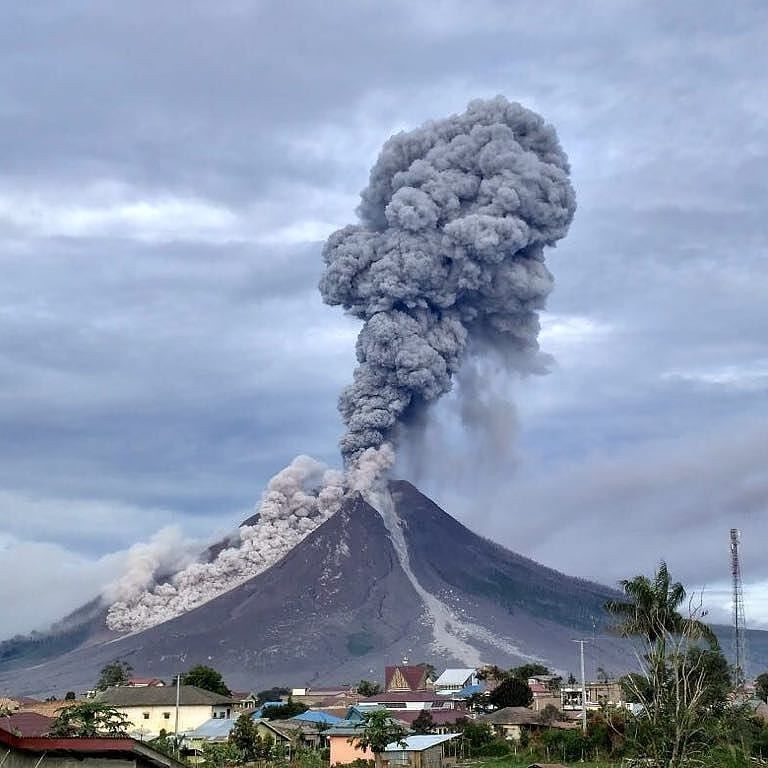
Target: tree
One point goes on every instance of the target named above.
(761, 686)
(117, 672)
(219, 755)
(245, 739)
(206, 678)
(550, 714)
(476, 734)
(271, 694)
(651, 611)
(69, 696)
(526, 671)
(89, 720)
(424, 723)
(378, 730)
(283, 711)
(367, 688)
(680, 688)
(512, 692)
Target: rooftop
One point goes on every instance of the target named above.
(161, 696)
(420, 743)
(391, 696)
(453, 677)
(118, 749)
(26, 724)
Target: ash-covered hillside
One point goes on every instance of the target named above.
(345, 601)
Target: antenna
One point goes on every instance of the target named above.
(739, 627)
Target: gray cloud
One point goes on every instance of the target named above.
(164, 347)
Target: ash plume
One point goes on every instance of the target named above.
(448, 261)
(297, 500)
(449, 255)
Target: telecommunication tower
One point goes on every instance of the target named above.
(739, 626)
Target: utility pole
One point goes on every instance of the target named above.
(583, 686)
(178, 702)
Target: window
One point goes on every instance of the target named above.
(146, 715)
(166, 715)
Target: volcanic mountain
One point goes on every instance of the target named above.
(362, 590)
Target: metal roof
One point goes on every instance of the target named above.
(160, 696)
(420, 743)
(313, 716)
(215, 728)
(454, 677)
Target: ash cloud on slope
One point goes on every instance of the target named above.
(449, 255)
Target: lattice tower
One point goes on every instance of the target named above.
(739, 626)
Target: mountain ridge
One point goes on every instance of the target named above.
(345, 602)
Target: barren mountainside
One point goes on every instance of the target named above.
(341, 605)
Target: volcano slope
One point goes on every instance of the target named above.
(341, 605)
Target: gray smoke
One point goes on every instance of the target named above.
(449, 254)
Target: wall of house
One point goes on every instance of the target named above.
(343, 753)
(151, 720)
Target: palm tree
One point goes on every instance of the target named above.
(651, 611)
(378, 730)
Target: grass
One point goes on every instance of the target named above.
(523, 762)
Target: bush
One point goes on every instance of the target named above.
(497, 748)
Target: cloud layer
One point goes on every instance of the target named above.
(167, 182)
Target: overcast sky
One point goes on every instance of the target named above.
(169, 171)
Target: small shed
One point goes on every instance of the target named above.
(422, 751)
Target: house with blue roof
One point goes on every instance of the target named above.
(317, 717)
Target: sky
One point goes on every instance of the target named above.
(168, 173)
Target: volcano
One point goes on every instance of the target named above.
(363, 590)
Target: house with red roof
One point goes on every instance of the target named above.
(408, 677)
(26, 724)
(22, 751)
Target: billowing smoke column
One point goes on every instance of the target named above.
(448, 257)
(449, 253)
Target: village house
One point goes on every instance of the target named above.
(454, 680)
(152, 709)
(26, 724)
(428, 751)
(511, 722)
(22, 751)
(412, 700)
(599, 694)
(145, 682)
(339, 697)
(408, 677)
(342, 746)
(544, 693)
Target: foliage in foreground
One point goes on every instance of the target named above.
(89, 720)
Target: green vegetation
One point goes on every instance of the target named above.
(424, 723)
(761, 686)
(687, 715)
(367, 688)
(117, 672)
(512, 692)
(378, 729)
(283, 711)
(206, 678)
(89, 720)
(271, 694)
